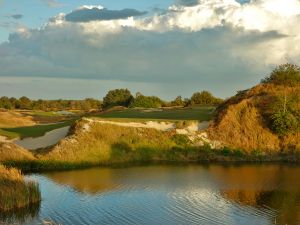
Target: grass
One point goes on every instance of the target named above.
(15, 192)
(195, 113)
(114, 145)
(32, 131)
(41, 113)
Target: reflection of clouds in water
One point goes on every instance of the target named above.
(171, 195)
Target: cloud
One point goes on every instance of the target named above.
(218, 45)
(52, 3)
(90, 13)
(187, 2)
(17, 16)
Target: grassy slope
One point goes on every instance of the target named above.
(195, 113)
(32, 131)
(15, 192)
(11, 151)
(241, 121)
(14, 119)
(110, 144)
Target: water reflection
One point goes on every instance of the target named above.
(215, 194)
(22, 215)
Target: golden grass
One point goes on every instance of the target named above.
(11, 151)
(14, 191)
(15, 119)
(108, 143)
(241, 121)
(242, 127)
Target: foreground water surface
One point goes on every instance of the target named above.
(194, 194)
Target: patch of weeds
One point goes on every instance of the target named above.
(181, 139)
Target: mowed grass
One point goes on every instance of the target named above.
(195, 113)
(32, 131)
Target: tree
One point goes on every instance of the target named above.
(204, 98)
(177, 101)
(285, 74)
(25, 103)
(285, 112)
(117, 97)
(5, 103)
(147, 102)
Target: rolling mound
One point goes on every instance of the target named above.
(11, 151)
(244, 121)
(15, 119)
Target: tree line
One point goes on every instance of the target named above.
(49, 105)
(123, 97)
(117, 97)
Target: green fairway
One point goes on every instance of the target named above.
(32, 131)
(196, 113)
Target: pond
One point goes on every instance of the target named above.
(193, 194)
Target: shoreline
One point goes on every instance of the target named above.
(39, 166)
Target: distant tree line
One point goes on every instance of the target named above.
(49, 105)
(117, 97)
(123, 97)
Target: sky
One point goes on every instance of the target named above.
(76, 49)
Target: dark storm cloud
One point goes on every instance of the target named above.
(86, 14)
(188, 2)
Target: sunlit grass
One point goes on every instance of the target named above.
(193, 113)
(14, 191)
(32, 131)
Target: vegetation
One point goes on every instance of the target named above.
(15, 119)
(15, 192)
(117, 97)
(204, 98)
(285, 111)
(265, 117)
(32, 131)
(285, 74)
(191, 113)
(142, 101)
(11, 151)
(49, 105)
(178, 101)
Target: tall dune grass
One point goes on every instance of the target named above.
(15, 192)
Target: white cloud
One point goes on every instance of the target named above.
(215, 43)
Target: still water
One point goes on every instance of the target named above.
(194, 194)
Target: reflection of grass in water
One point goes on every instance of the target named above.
(20, 215)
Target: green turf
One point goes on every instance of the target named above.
(33, 131)
(42, 113)
(196, 113)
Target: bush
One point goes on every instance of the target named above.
(283, 122)
(117, 97)
(285, 74)
(204, 98)
(147, 102)
(181, 139)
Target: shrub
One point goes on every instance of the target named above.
(147, 102)
(285, 74)
(117, 97)
(284, 122)
(181, 139)
(204, 98)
